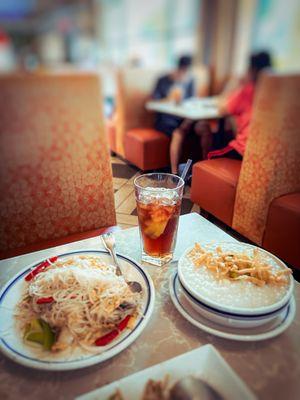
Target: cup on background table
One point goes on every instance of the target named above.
(176, 94)
(158, 197)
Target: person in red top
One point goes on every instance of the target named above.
(238, 104)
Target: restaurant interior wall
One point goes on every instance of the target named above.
(233, 29)
(106, 33)
(276, 26)
(148, 34)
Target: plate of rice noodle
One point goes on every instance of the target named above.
(72, 310)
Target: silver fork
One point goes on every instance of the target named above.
(108, 240)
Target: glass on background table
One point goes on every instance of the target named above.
(270, 368)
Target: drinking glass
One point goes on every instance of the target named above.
(176, 94)
(158, 198)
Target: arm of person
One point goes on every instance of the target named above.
(232, 85)
(230, 104)
(221, 104)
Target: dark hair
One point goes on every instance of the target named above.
(184, 62)
(259, 61)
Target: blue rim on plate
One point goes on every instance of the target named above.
(228, 314)
(22, 273)
(233, 333)
(235, 310)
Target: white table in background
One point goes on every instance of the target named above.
(270, 368)
(194, 108)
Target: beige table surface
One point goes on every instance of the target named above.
(193, 108)
(271, 368)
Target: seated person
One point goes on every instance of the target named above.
(176, 86)
(238, 105)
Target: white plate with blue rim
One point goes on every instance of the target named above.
(266, 331)
(13, 346)
(229, 319)
(242, 298)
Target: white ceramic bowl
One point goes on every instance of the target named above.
(185, 265)
(228, 319)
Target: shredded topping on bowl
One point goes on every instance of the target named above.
(239, 266)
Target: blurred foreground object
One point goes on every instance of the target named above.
(55, 169)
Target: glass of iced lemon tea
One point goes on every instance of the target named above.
(158, 198)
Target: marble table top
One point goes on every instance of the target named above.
(270, 368)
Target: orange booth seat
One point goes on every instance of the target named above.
(214, 186)
(282, 233)
(130, 132)
(56, 179)
(260, 197)
(147, 148)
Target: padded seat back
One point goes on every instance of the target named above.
(55, 177)
(134, 88)
(271, 163)
(282, 233)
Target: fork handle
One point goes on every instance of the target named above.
(115, 261)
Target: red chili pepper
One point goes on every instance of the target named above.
(45, 300)
(52, 259)
(109, 337)
(35, 271)
(122, 325)
(40, 268)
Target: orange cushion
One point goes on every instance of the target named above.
(214, 185)
(282, 233)
(147, 148)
